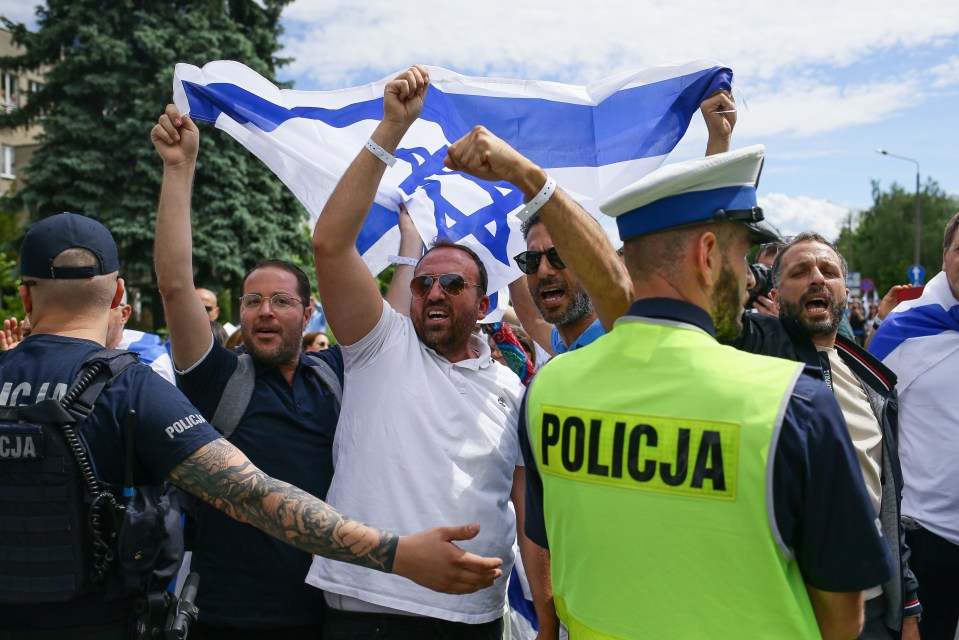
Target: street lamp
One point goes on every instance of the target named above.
(915, 162)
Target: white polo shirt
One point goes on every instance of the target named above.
(423, 442)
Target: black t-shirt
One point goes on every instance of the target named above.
(168, 430)
(254, 580)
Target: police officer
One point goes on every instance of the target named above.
(69, 265)
(716, 492)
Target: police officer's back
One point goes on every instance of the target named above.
(55, 576)
(685, 490)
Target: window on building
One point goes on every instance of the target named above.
(10, 91)
(8, 168)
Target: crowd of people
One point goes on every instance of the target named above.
(668, 456)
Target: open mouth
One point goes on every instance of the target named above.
(817, 303)
(437, 315)
(551, 295)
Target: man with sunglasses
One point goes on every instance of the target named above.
(208, 298)
(252, 584)
(552, 304)
(428, 428)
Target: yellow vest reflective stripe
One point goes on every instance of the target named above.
(652, 444)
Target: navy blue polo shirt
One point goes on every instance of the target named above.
(168, 430)
(820, 503)
(254, 580)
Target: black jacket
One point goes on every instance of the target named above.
(786, 338)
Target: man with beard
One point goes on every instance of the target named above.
(809, 280)
(566, 318)
(252, 583)
(428, 428)
(661, 453)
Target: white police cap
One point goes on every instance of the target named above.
(711, 189)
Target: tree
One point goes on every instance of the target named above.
(110, 75)
(882, 242)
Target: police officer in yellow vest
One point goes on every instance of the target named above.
(683, 488)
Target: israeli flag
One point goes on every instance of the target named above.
(919, 334)
(593, 139)
(151, 350)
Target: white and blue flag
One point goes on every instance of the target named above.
(151, 350)
(593, 139)
(919, 334)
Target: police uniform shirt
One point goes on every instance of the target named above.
(821, 506)
(168, 430)
(255, 580)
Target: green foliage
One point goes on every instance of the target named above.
(109, 78)
(883, 241)
(10, 230)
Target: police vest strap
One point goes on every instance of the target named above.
(113, 361)
(239, 389)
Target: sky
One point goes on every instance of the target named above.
(821, 84)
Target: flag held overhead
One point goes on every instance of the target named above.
(593, 139)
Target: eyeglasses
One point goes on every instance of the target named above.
(452, 283)
(278, 301)
(528, 261)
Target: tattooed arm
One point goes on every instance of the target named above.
(221, 474)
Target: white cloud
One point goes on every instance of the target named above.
(809, 108)
(337, 42)
(793, 214)
(946, 75)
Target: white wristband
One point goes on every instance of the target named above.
(536, 203)
(380, 153)
(403, 260)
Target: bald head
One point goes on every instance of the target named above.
(208, 298)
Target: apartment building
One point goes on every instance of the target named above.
(16, 145)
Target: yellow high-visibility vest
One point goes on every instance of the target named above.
(653, 445)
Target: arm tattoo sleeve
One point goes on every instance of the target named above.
(221, 475)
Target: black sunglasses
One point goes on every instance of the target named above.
(528, 261)
(452, 283)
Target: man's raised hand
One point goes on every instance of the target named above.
(404, 96)
(483, 155)
(719, 112)
(176, 138)
(11, 334)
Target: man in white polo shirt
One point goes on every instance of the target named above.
(427, 431)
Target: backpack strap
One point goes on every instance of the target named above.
(236, 396)
(239, 389)
(328, 377)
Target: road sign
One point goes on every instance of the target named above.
(853, 282)
(916, 275)
(867, 285)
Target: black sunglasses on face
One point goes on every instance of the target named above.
(528, 261)
(452, 283)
